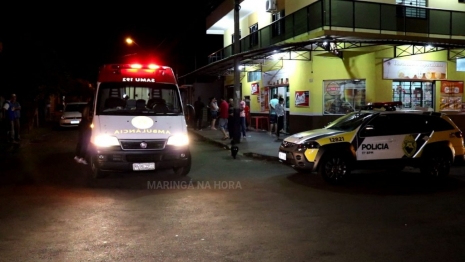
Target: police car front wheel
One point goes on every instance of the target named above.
(334, 168)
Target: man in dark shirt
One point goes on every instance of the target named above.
(231, 118)
(198, 107)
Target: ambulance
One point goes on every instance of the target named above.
(138, 121)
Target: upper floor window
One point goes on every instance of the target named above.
(278, 23)
(253, 31)
(412, 8)
(253, 76)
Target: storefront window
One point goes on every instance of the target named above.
(414, 95)
(343, 96)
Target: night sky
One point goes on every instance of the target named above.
(40, 40)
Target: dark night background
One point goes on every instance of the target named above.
(61, 44)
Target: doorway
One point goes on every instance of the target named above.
(282, 91)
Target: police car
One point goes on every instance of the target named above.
(369, 139)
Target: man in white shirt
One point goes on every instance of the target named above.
(280, 115)
(273, 117)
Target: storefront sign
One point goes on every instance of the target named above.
(255, 89)
(418, 70)
(343, 96)
(451, 95)
(302, 98)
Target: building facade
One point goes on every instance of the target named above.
(330, 57)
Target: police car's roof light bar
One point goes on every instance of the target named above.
(388, 106)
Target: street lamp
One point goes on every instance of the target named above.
(130, 41)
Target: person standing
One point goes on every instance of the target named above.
(242, 118)
(214, 112)
(84, 134)
(273, 117)
(2, 117)
(17, 122)
(223, 120)
(280, 117)
(10, 116)
(198, 107)
(231, 118)
(2, 112)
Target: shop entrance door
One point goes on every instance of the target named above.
(414, 94)
(282, 91)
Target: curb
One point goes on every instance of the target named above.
(227, 147)
(211, 141)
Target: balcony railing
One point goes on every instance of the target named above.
(353, 15)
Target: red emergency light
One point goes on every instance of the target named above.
(135, 72)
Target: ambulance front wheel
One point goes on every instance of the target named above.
(96, 172)
(184, 170)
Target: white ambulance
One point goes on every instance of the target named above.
(138, 121)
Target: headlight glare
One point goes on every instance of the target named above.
(105, 141)
(178, 140)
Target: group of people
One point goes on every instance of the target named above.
(11, 119)
(11, 115)
(223, 115)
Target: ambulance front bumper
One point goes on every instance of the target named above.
(140, 160)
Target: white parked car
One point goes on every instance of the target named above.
(72, 114)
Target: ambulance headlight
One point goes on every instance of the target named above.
(105, 141)
(178, 140)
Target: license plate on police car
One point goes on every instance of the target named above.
(74, 121)
(282, 155)
(143, 166)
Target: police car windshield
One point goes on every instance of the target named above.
(350, 121)
(138, 99)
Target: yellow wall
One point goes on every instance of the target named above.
(447, 4)
(385, 86)
(309, 76)
(381, 1)
(293, 5)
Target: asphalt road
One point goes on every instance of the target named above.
(225, 210)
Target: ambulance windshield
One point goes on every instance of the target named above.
(138, 99)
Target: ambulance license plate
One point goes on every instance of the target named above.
(143, 166)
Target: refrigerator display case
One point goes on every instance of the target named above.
(413, 94)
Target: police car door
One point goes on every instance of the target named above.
(379, 139)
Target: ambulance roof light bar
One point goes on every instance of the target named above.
(137, 66)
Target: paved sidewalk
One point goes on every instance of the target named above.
(258, 144)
